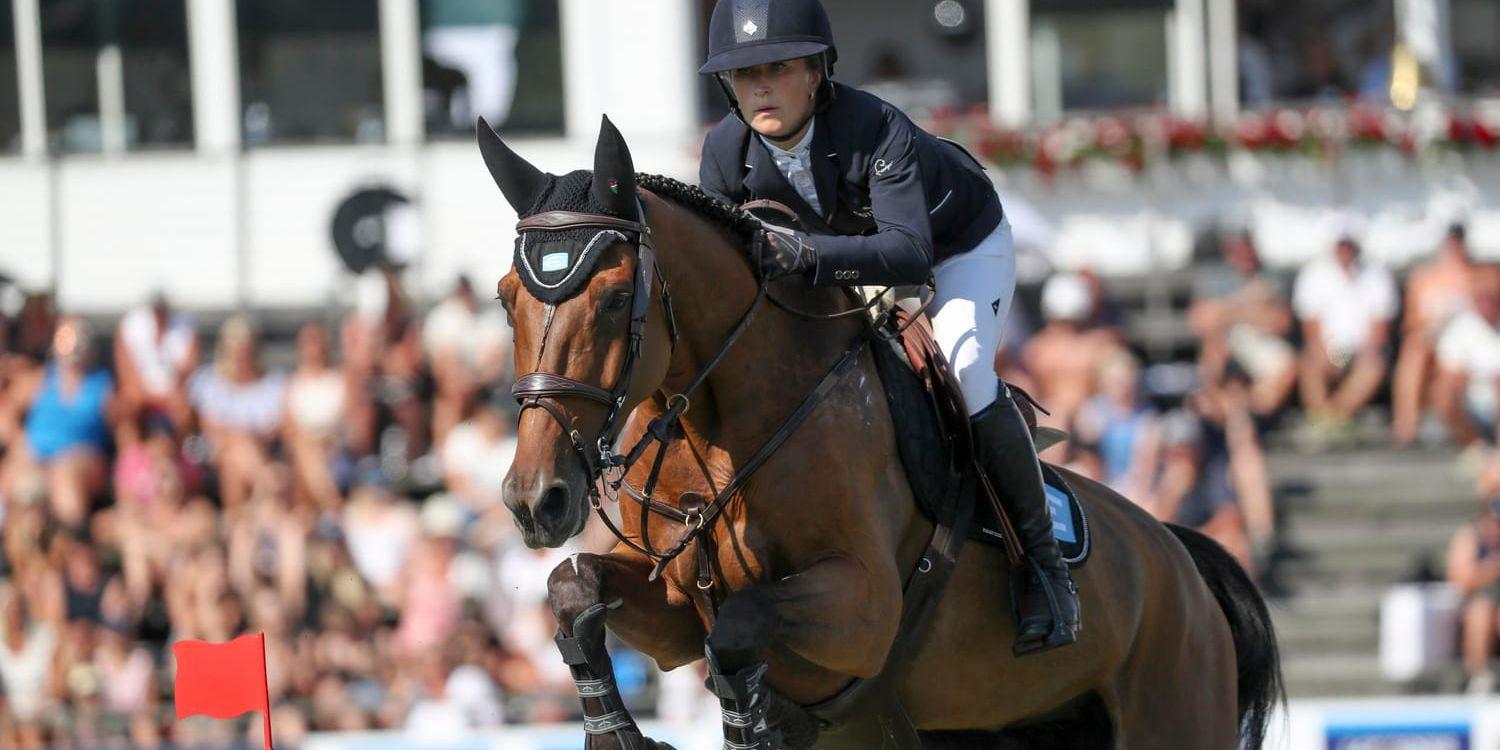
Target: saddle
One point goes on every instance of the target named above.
(936, 445)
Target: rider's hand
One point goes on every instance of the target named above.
(785, 253)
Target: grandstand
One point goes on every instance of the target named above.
(288, 163)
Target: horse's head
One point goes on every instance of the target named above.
(591, 343)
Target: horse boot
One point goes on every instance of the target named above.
(604, 712)
(744, 703)
(1048, 611)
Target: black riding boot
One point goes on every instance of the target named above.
(744, 703)
(1049, 609)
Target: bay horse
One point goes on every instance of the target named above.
(631, 328)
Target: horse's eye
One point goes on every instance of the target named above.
(616, 302)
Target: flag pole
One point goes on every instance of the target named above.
(266, 686)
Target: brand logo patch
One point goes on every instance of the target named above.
(554, 262)
(750, 28)
(882, 166)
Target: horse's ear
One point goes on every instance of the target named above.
(519, 181)
(614, 173)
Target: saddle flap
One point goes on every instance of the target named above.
(934, 438)
(931, 368)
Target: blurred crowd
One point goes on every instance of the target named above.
(1315, 354)
(159, 487)
(340, 490)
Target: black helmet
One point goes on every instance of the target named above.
(745, 33)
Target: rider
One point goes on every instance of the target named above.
(883, 202)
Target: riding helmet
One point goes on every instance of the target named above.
(745, 33)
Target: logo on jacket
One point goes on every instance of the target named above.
(882, 166)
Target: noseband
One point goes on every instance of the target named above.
(607, 469)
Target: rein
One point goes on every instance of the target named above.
(607, 469)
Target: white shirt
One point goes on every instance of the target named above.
(484, 462)
(25, 672)
(157, 355)
(1345, 306)
(1471, 345)
(452, 326)
(796, 166)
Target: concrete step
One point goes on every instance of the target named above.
(1399, 537)
(1357, 567)
(1348, 640)
(1388, 505)
(1337, 674)
(1364, 467)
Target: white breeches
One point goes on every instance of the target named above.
(974, 292)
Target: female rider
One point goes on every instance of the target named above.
(883, 202)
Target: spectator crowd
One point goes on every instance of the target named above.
(159, 487)
(343, 496)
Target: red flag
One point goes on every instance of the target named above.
(223, 680)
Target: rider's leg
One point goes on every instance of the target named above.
(969, 309)
(586, 589)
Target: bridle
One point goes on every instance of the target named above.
(606, 468)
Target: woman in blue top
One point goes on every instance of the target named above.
(67, 424)
(880, 201)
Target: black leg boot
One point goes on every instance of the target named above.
(1049, 608)
(605, 719)
(744, 703)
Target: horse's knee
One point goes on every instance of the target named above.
(744, 629)
(574, 586)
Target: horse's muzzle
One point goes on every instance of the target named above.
(548, 512)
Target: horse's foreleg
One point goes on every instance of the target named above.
(585, 590)
(837, 614)
(755, 717)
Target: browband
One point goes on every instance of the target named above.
(551, 221)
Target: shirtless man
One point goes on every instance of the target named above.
(1436, 292)
(1063, 356)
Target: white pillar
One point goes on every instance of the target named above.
(214, 60)
(401, 70)
(1007, 32)
(28, 23)
(109, 73)
(1046, 74)
(1223, 60)
(1187, 64)
(634, 61)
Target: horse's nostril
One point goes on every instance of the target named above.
(552, 509)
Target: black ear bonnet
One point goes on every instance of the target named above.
(555, 265)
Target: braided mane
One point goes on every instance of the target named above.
(693, 198)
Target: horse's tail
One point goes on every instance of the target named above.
(1255, 649)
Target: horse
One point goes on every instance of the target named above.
(648, 331)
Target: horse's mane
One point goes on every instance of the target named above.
(694, 199)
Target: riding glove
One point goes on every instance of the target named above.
(786, 252)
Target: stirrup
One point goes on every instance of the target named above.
(1061, 635)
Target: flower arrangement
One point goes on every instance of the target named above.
(1133, 140)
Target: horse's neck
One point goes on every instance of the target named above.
(775, 363)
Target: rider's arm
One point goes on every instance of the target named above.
(900, 251)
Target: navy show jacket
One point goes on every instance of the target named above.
(896, 200)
